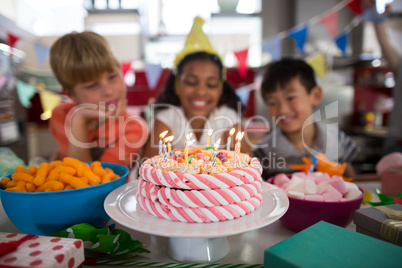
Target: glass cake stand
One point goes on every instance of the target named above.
(193, 242)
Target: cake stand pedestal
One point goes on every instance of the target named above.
(193, 242)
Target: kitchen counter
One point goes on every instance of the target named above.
(246, 248)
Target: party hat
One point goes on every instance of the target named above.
(196, 41)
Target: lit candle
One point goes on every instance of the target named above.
(161, 136)
(209, 137)
(214, 152)
(169, 145)
(164, 152)
(229, 141)
(187, 144)
(237, 148)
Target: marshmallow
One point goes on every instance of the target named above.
(353, 193)
(331, 189)
(321, 187)
(351, 185)
(293, 182)
(301, 175)
(281, 179)
(338, 183)
(330, 197)
(317, 173)
(323, 177)
(314, 197)
(295, 194)
(284, 185)
(310, 187)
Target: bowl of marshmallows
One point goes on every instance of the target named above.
(318, 197)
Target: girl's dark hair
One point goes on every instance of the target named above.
(281, 72)
(169, 96)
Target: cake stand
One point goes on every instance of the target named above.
(193, 242)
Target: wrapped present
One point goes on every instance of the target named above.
(21, 250)
(381, 222)
(328, 245)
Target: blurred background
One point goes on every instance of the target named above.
(248, 34)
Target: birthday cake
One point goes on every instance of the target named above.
(204, 186)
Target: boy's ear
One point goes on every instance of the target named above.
(316, 95)
(68, 93)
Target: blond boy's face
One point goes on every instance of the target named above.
(291, 106)
(108, 89)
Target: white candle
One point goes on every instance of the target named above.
(209, 137)
(214, 152)
(229, 141)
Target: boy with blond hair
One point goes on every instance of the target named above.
(94, 125)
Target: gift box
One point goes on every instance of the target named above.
(328, 245)
(391, 181)
(21, 250)
(375, 223)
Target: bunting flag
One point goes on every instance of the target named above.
(342, 42)
(330, 21)
(125, 66)
(153, 72)
(242, 62)
(273, 46)
(12, 39)
(355, 6)
(25, 93)
(49, 100)
(317, 62)
(244, 94)
(299, 35)
(41, 53)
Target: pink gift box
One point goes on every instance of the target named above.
(391, 181)
(42, 251)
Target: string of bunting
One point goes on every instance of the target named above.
(272, 46)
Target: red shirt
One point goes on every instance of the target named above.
(118, 140)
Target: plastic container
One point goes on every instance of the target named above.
(49, 212)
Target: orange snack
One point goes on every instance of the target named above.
(22, 177)
(75, 163)
(41, 174)
(20, 169)
(4, 181)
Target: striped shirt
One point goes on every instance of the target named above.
(118, 140)
(275, 151)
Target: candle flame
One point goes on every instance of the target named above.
(238, 135)
(231, 132)
(216, 145)
(210, 132)
(163, 134)
(189, 135)
(190, 142)
(168, 139)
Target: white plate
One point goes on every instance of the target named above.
(121, 205)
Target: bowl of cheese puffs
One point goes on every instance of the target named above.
(48, 198)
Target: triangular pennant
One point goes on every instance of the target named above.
(25, 93)
(242, 62)
(317, 62)
(299, 35)
(342, 42)
(330, 21)
(49, 100)
(41, 52)
(273, 46)
(243, 94)
(355, 6)
(125, 66)
(153, 72)
(12, 39)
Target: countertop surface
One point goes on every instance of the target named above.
(245, 248)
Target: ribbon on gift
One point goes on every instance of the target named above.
(390, 230)
(386, 199)
(107, 240)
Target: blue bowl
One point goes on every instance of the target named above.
(49, 212)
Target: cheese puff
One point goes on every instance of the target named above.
(4, 181)
(30, 187)
(32, 170)
(75, 163)
(95, 164)
(99, 171)
(72, 180)
(109, 177)
(23, 177)
(11, 184)
(41, 174)
(92, 178)
(55, 185)
(53, 176)
(21, 184)
(55, 163)
(16, 189)
(86, 167)
(20, 169)
(68, 187)
(108, 170)
(48, 190)
(64, 169)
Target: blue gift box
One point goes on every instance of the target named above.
(328, 245)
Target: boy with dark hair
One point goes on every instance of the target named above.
(290, 91)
